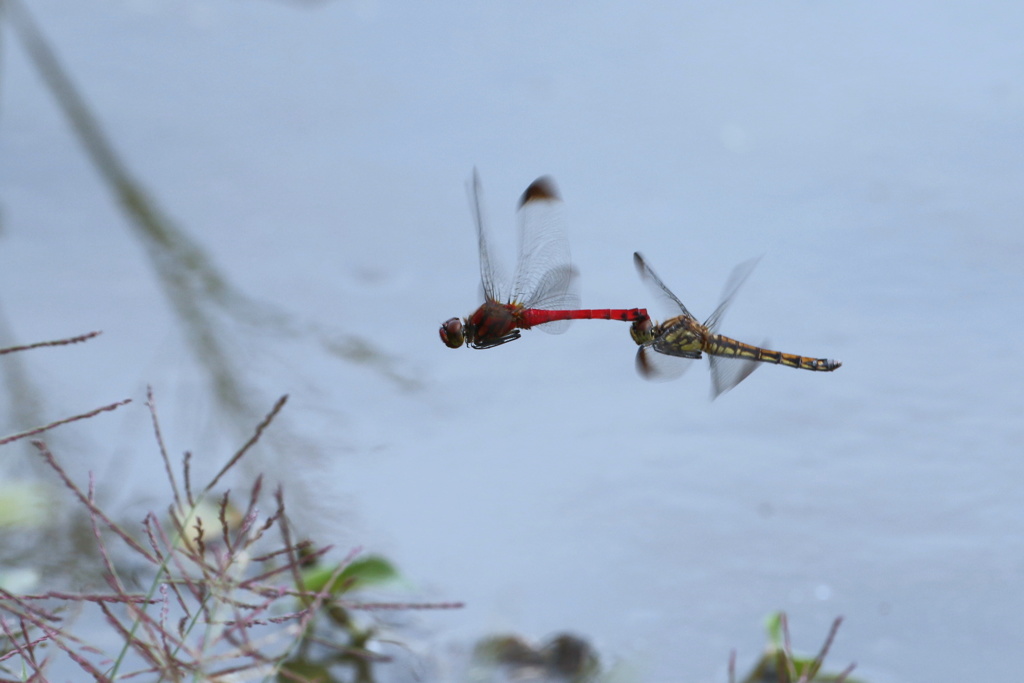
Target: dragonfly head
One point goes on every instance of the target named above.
(452, 333)
(642, 331)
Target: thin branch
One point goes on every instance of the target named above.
(147, 524)
(39, 430)
(144, 649)
(151, 404)
(78, 659)
(254, 582)
(89, 597)
(294, 560)
(372, 606)
(57, 637)
(26, 650)
(186, 469)
(845, 673)
(282, 619)
(52, 462)
(816, 665)
(301, 546)
(34, 614)
(225, 528)
(252, 440)
(787, 650)
(112, 577)
(196, 589)
(276, 518)
(56, 342)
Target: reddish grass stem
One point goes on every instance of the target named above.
(39, 430)
(56, 342)
(248, 444)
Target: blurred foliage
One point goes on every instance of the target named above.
(366, 572)
(509, 657)
(778, 664)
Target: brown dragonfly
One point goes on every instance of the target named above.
(682, 337)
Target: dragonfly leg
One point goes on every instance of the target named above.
(491, 343)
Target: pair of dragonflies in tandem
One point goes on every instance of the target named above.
(542, 294)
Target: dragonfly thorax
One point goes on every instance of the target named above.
(681, 336)
(491, 325)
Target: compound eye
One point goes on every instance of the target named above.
(452, 333)
(642, 330)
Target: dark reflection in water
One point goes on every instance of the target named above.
(201, 297)
(564, 657)
(148, 586)
(221, 324)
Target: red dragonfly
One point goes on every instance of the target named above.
(683, 337)
(542, 290)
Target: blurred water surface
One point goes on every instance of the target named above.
(317, 156)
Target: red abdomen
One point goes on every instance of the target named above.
(535, 316)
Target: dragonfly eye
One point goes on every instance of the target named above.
(452, 333)
(642, 331)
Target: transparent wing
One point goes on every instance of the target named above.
(658, 367)
(544, 276)
(556, 291)
(658, 287)
(727, 372)
(492, 276)
(736, 279)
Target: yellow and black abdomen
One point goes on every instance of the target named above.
(726, 347)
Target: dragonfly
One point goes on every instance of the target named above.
(542, 290)
(664, 346)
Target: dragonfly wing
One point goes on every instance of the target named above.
(736, 279)
(658, 367)
(556, 291)
(656, 286)
(727, 372)
(544, 271)
(492, 276)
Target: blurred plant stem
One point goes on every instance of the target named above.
(24, 403)
(191, 282)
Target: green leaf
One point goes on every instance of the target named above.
(773, 624)
(365, 572)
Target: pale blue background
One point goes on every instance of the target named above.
(872, 152)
